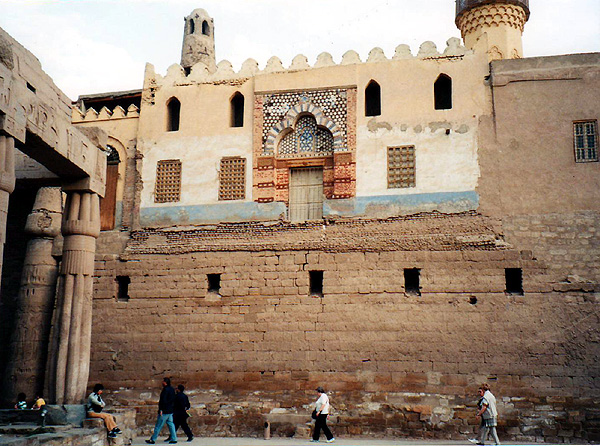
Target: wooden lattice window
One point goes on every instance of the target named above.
(232, 178)
(401, 167)
(168, 181)
(585, 139)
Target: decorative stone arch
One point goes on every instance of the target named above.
(291, 118)
(320, 140)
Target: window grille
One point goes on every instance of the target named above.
(232, 179)
(401, 167)
(168, 181)
(585, 138)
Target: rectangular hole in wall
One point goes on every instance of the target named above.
(214, 283)
(30, 87)
(412, 283)
(316, 282)
(123, 288)
(514, 280)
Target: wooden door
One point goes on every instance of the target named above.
(306, 194)
(109, 202)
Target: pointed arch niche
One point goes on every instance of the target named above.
(305, 138)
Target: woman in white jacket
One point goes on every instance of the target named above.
(322, 408)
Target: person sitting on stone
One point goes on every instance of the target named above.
(39, 402)
(94, 410)
(21, 403)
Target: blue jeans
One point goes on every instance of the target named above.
(160, 422)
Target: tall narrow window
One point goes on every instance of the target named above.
(442, 90)
(237, 110)
(192, 26)
(232, 178)
(401, 167)
(585, 140)
(168, 181)
(173, 114)
(205, 28)
(412, 281)
(123, 288)
(316, 282)
(373, 99)
(514, 280)
(214, 283)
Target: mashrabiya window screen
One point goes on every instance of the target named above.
(232, 178)
(585, 138)
(401, 167)
(168, 181)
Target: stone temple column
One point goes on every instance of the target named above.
(68, 368)
(7, 184)
(26, 362)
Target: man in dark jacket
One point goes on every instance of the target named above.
(166, 406)
(180, 416)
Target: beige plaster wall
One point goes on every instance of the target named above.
(526, 154)
(203, 138)
(445, 163)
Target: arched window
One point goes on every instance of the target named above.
(442, 90)
(237, 110)
(373, 99)
(306, 139)
(173, 114)
(192, 26)
(205, 28)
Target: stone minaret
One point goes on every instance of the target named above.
(495, 26)
(198, 41)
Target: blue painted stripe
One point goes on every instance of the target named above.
(389, 205)
(382, 206)
(211, 213)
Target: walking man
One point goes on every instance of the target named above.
(166, 405)
(180, 416)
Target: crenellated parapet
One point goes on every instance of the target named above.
(77, 115)
(225, 73)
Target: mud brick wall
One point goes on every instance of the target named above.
(395, 363)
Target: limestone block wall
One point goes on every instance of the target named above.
(396, 363)
(568, 243)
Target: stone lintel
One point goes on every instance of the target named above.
(37, 114)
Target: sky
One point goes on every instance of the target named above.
(97, 46)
